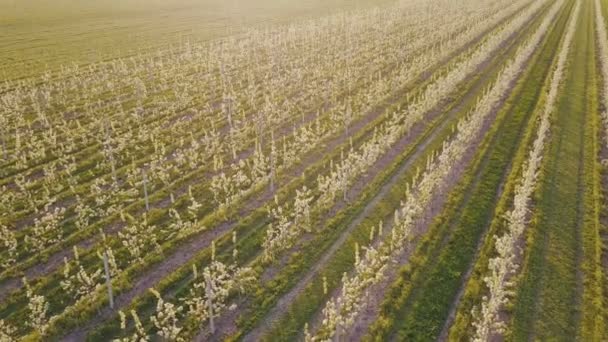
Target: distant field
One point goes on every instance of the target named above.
(39, 34)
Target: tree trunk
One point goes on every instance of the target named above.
(209, 291)
(108, 279)
(146, 189)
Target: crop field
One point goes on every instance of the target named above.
(270, 170)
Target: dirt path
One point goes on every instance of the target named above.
(286, 300)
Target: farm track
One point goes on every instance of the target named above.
(585, 310)
(447, 118)
(474, 189)
(189, 248)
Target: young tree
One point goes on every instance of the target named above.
(38, 308)
(139, 238)
(7, 332)
(46, 230)
(79, 283)
(302, 208)
(8, 242)
(165, 319)
(139, 335)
